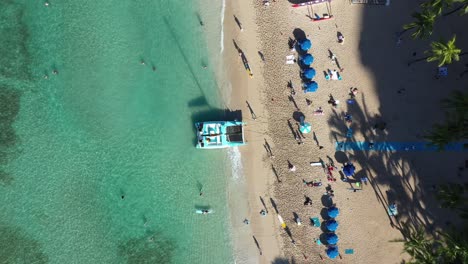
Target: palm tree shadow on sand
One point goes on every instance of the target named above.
(397, 176)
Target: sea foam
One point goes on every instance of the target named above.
(236, 162)
(223, 8)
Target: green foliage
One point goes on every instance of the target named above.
(456, 247)
(451, 195)
(449, 248)
(457, 105)
(420, 248)
(423, 24)
(456, 124)
(437, 6)
(444, 53)
(463, 7)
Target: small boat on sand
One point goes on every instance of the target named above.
(220, 134)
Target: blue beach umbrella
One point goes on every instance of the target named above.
(309, 73)
(332, 238)
(332, 252)
(349, 169)
(310, 87)
(305, 128)
(305, 44)
(332, 225)
(333, 212)
(307, 59)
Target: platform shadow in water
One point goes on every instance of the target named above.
(18, 247)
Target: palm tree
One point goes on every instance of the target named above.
(437, 5)
(418, 246)
(451, 195)
(456, 124)
(455, 249)
(441, 52)
(457, 104)
(444, 53)
(423, 25)
(463, 7)
(441, 135)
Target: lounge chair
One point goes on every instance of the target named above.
(290, 59)
(371, 2)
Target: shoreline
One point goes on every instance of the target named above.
(256, 173)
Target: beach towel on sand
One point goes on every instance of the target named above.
(315, 221)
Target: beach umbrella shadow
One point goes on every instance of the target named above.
(299, 34)
(324, 214)
(326, 201)
(297, 115)
(341, 157)
(323, 238)
(323, 227)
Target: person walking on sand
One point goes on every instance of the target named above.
(341, 38)
(291, 167)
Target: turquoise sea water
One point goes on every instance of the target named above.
(107, 127)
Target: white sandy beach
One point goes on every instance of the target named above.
(372, 62)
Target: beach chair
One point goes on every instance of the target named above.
(290, 59)
(315, 221)
(442, 72)
(349, 251)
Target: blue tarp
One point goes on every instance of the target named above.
(349, 169)
(332, 252)
(332, 225)
(309, 73)
(310, 87)
(398, 146)
(332, 238)
(333, 212)
(307, 59)
(305, 44)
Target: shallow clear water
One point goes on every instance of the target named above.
(107, 127)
